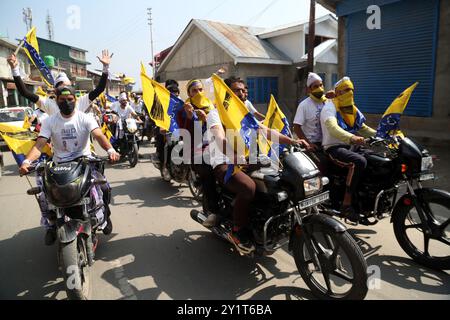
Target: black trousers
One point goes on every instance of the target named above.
(208, 180)
(355, 162)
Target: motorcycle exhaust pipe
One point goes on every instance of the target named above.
(198, 216)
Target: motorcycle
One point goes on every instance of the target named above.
(127, 144)
(285, 211)
(177, 170)
(73, 202)
(425, 211)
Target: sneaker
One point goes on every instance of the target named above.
(211, 221)
(242, 242)
(50, 237)
(109, 227)
(166, 175)
(350, 214)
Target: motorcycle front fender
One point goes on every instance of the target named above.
(421, 196)
(69, 231)
(317, 223)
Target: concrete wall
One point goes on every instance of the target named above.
(442, 83)
(198, 52)
(5, 70)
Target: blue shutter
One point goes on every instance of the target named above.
(251, 89)
(383, 63)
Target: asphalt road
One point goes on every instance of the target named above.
(157, 251)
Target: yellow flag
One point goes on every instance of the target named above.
(156, 99)
(106, 131)
(7, 128)
(32, 40)
(41, 92)
(399, 104)
(276, 120)
(26, 122)
(20, 146)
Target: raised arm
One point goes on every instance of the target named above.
(24, 92)
(105, 60)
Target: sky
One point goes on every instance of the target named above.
(122, 26)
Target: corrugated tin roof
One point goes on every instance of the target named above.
(242, 43)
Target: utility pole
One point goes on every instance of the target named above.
(27, 18)
(50, 31)
(311, 36)
(150, 23)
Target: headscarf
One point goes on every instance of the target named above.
(349, 117)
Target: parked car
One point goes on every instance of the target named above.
(13, 116)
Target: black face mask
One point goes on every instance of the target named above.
(66, 107)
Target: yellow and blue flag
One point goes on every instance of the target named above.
(31, 48)
(234, 116)
(275, 120)
(26, 123)
(390, 123)
(162, 106)
(8, 128)
(21, 144)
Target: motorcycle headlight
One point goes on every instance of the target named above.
(427, 163)
(312, 186)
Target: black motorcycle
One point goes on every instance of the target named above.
(421, 216)
(285, 211)
(127, 146)
(73, 203)
(177, 169)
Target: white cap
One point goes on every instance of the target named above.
(313, 77)
(62, 77)
(123, 96)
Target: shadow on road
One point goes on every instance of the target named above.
(399, 271)
(153, 193)
(31, 271)
(194, 266)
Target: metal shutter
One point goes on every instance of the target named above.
(383, 63)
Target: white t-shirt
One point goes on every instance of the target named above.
(216, 157)
(137, 107)
(50, 106)
(250, 107)
(70, 137)
(125, 113)
(308, 117)
(329, 111)
(40, 115)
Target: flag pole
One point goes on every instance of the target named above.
(19, 47)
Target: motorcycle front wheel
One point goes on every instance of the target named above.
(195, 186)
(331, 264)
(430, 249)
(133, 155)
(75, 268)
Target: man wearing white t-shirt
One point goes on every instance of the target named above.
(69, 131)
(50, 106)
(124, 111)
(237, 85)
(307, 119)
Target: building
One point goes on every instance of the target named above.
(267, 59)
(69, 58)
(115, 85)
(9, 96)
(412, 45)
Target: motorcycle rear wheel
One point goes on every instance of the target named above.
(195, 186)
(75, 268)
(331, 251)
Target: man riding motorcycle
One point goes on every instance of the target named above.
(69, 130)
(240, 183)
(344, 125)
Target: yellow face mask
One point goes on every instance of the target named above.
(200, 101)
(345, 105)
(318, 95)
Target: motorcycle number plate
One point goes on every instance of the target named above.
(314, 201)
(427, 177)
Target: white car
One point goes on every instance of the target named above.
(14, 117)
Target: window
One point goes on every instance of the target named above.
(260, 89)
(324, 79)
(334, 79)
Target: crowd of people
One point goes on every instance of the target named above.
(326, 124)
